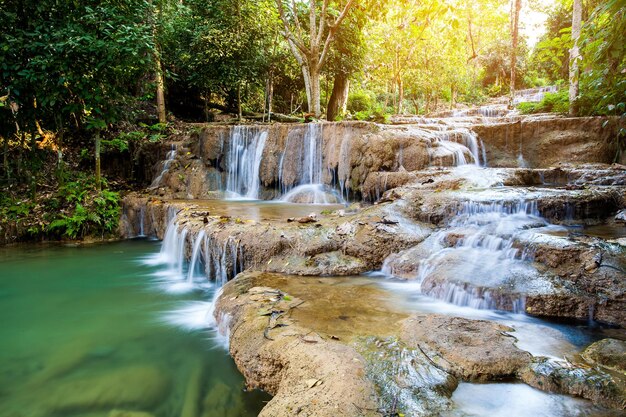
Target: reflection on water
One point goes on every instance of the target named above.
(88, 330)
(260, 210)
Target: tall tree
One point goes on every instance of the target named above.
(574, 57)
(158, 68)
(308, 48)
(514, 40)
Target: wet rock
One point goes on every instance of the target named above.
(282, 363)
(137, 386)
(545, 141)
(473, 350)
(609, 353)
(562, 377)
(329, 263)
(311, 218)
(407, 381)
(621, 216)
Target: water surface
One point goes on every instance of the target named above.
(88, 329)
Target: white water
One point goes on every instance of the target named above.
(193, 263)
(246, 145)
(483, 256)
(309, 187)
(209, 259)
(171, 155)
(452, 142)
(533, 94)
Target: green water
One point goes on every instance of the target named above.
(83, 332)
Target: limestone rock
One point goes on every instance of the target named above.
(474, 350)
(564, 378)
(610, 353)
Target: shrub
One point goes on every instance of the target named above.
(90, 210)
(552, 103)
(359, 101)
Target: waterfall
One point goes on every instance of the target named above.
(246, 147)
(309, 187)
(171, 155)
(221, 261)
(533, 94)
(141, 221)
(312, 153)
(478, 253)
(455, 143)
(194, 256)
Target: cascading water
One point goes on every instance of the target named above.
(309, 187)
(142, 215)
(457, 143)
(244, 161)
(171, 155)
(215, 261)
(480, 252)
(193, 263)
(533, 94)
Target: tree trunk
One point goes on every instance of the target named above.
(160, 90)
(417, 106)
(307, 87)
(339, 97)
(270, 97)
(239, 111)
(315, 93)
(160, 82)
(452, 96)
(514, 34)
(98, 179)
(5, 160)
(60, 135)
(400, 95)
(574, 56)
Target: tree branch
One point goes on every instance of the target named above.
(297, 20)
(313, 25)
(320, 32)
(288, 33)
(332, 30)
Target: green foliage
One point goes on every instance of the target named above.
(603, 83)
(360, 101)
(87, 210)
(118, 144)
(552, 103)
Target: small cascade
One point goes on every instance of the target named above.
(216, 261)
(308, 186)
(458, 143)
(222, 261)
(533, 94)
(142, 215)
(490, 111)
(171, 155)
(521, 162)
(466, 263)
(193, 263)
(244, 161)
(344, 168)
